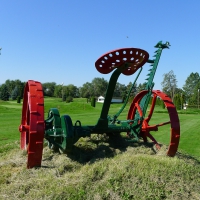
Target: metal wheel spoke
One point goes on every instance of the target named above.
(146, 128)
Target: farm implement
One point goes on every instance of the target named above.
(62, 134)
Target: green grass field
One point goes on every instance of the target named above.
(10, 117)
(99, 168)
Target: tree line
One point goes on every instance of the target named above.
(11, 89)
(189, 93)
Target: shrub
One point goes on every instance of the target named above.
(64, 97)
(93, 101)
(69, 99)
(18, 99)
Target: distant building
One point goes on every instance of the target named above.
(114, 99)
(185, 105)
(100, 99)
(117, 100)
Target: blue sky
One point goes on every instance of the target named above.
(60, 40)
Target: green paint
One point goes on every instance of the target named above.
(62, 134)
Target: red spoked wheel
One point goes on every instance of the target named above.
(32, 123)
(133, 57)
(146, 128)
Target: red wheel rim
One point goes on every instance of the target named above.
(32, 123)
(146, 128)
(134, 57)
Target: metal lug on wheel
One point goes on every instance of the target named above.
(32, 123)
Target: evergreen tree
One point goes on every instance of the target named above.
(4, 93)
(177, 101)
(15, 93)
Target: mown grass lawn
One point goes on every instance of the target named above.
(99, 168)
(10, 117)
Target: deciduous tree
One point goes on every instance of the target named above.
(48, 88)
(169, 84)
(86, 90)
(191, 86)
(99, 86)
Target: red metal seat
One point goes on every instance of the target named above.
(135, 58)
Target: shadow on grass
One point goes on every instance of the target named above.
(188, 158)
(91, 149)
(105, 146)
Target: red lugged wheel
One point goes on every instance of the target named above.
(32, 123)
(146, 128)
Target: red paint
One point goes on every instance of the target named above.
(32, 123)
(135, 58)
(146, 128)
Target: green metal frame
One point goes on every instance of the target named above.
(62, 134)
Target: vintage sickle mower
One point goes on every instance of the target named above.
(60, 132)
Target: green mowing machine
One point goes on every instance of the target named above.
(62, 134)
